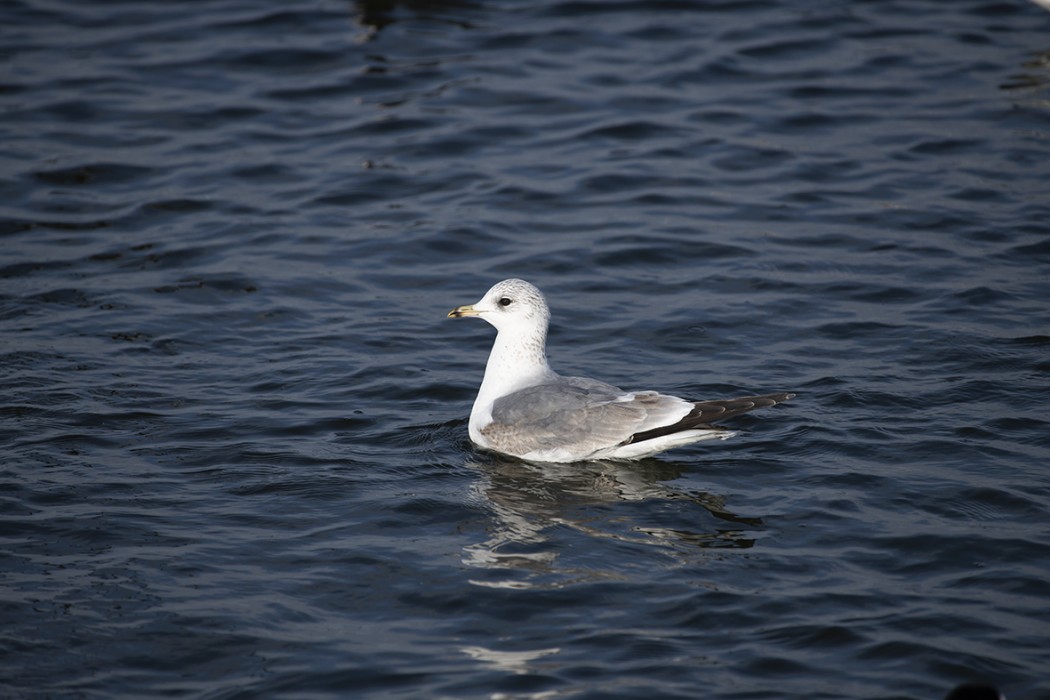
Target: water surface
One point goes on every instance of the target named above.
(233, 414)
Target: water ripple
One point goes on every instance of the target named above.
(234, 414)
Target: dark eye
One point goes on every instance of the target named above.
(505, 301)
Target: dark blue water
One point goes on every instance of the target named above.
(233, 414)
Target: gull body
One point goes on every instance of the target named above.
(525, 409)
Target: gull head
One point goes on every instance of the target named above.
(512, 305)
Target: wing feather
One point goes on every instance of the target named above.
(705, 412)
(584, 415)
(579, 417)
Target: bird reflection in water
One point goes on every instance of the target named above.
(530, 501)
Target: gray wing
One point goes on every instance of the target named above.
(582, 414)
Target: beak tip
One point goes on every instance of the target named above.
(461, 311)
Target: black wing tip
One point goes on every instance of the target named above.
(760, 401)
(698, 420)
(767, 400)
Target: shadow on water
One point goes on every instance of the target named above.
(530, 501)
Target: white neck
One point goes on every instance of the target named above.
(517, 361)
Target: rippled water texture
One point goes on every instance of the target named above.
(233, 414)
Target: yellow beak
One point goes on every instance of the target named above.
(461, 311)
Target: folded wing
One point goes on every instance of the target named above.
(576, 417)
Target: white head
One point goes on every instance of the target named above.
(512, 305)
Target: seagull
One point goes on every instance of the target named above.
(525, 409)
